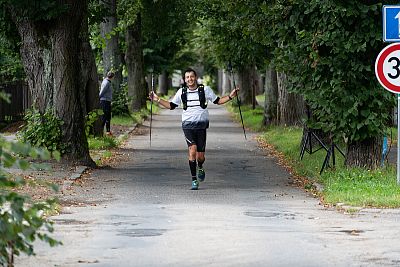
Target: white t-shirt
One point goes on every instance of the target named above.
(194, 117)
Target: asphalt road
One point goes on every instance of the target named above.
(142, 212)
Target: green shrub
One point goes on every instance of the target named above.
(104, 142)
(21, 220)
(120, 101)
(91, 118)
(43, 130)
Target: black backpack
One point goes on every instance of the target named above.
(202, 97)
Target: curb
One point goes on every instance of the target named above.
(79, 170)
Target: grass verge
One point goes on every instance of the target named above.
(105, 142)
(108, 142)
(252, 118)
(347, 186)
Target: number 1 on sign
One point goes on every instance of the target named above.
(398, 20)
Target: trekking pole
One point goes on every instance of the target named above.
(151, 103)
(238, 99)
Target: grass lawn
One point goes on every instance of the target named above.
(107, 142)
(348, 186)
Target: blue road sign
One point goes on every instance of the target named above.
(391, 23)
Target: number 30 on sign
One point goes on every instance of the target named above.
(387, 68)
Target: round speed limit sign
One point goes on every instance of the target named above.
(387, 68)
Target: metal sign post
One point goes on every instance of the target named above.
(398, 138)
(151, 103)
(387, 64)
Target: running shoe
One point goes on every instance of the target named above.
(195, 185)
(201, 174)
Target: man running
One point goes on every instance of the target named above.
(194, 98)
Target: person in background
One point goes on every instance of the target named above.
(105, 96)
(193, 98)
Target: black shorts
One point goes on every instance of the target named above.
(196, 137)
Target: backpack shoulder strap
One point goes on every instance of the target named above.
(202, 96)
(184, 97)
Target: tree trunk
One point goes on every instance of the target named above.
(245, 83)
(260, 82)
(51, 54)
(134, 63)
(111, 52)
(254, 78)
(364, 154)
(163, 83)
(290, 106)
(219, 81)
(91, 80)
(148, 82)
(271, 97)
(226, 83)
(170, 83)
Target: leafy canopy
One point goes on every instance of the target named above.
(328, 50)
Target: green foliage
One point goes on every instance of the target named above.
(11, 67)
(4, 97)
(97, 12)
(220, 36)
(43, 130)
(106, 142)
(352, 186)
(121, 101)
(360, 187)
(166, 30)
(125, 120)
(252, 118)
(107, 154)
(91, 119)
(287, 141)
(135, 117)
(127, 11)
(210, 81)
(140, 116)
(21, 220)
(185, 56)
(328, 49)
(36, 10)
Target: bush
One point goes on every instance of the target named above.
(21, 220)
(43, 130)
(120, 101)
(91, 118)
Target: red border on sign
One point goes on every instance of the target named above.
(379, 68)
